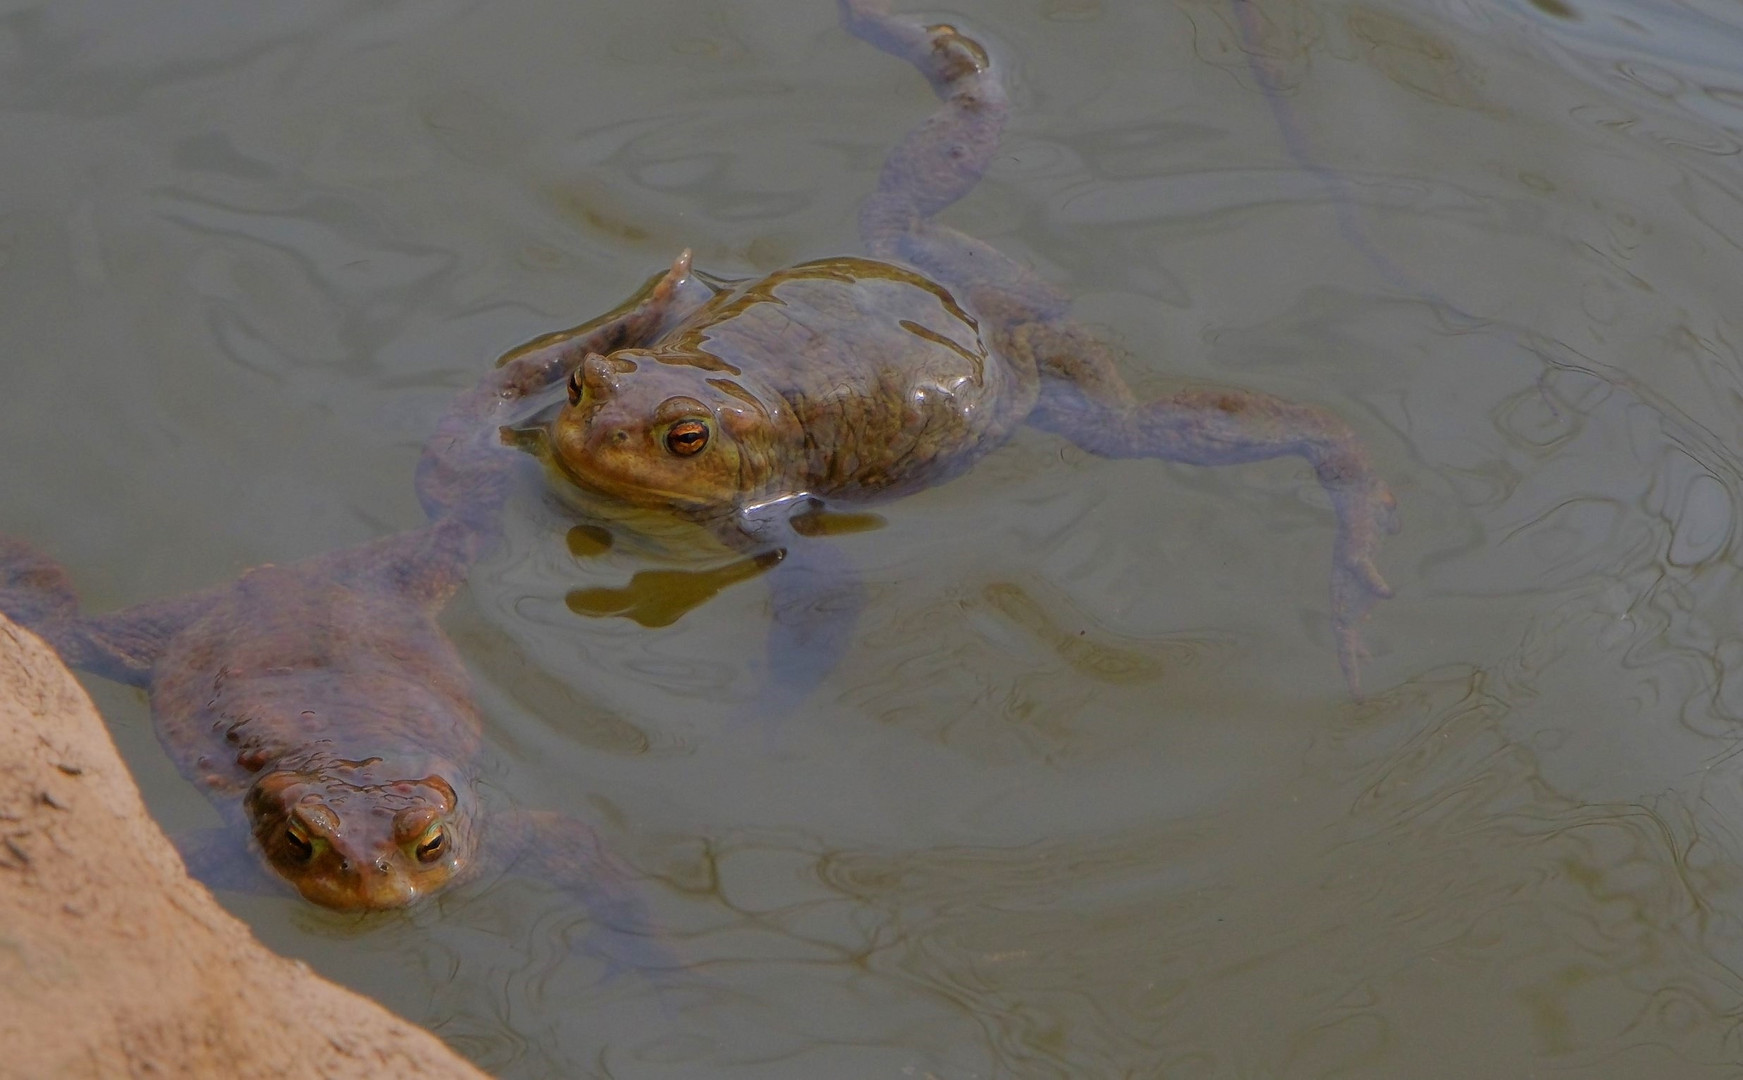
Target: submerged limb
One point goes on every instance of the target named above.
(815, 598)
(124, 645)
(1084, 400)
(814, 593)
(570, 855)
(939, 161)
(465, 468)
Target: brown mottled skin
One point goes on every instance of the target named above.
(319, 706)
(850, 379)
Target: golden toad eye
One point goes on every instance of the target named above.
(298, 842)
(430, 848)
(687, 437)
(575, 387)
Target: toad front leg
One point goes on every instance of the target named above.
(1084, 400)
(568, 854)
(464, 466)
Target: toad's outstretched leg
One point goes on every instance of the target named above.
(941, 159)
(124, 646)
(1084, 399)
(568, 854)
(938, 162)
(1079, 393)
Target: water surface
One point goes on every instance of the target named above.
(1085, 795)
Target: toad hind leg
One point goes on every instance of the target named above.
(942, 159)
(935, 164)
(1084, 400)
(1082, 396)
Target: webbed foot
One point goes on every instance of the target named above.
(942, 53)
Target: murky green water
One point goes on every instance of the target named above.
(1085, 798)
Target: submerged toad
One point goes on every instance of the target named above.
(321, 709)
(736, 404)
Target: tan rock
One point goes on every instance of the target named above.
(113, 962)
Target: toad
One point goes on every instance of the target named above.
(739, 404)
(326, 715)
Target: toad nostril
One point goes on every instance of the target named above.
(381, 864)
(344, 864)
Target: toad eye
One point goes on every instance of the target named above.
(687, 437)
(430, 848)
(298, 842)
(575, 387)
